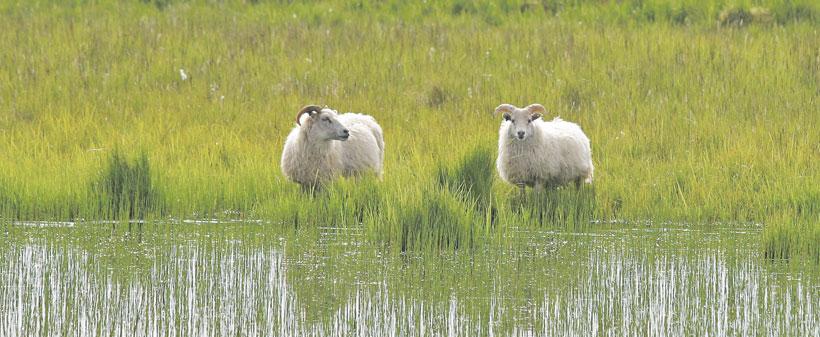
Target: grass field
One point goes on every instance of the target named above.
(700, 113)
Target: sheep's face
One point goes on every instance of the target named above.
(520, 123)
(325, 125)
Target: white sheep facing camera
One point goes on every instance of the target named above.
(540, 154)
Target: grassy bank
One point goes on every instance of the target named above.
(709, 117)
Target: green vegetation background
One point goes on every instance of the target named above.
(698, 111)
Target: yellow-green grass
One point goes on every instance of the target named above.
(690, 120)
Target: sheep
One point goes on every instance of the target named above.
(325, 144)
(539, 154)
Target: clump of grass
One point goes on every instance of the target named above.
(360, 196)
(160, 4)
(528, 6)
(680, 16)
(566, 207)
(124, 187)
(735, 16)
(437, 97)
(438, 221)
(779, 240)
(470, 178)
(552, 6)
(343, 203)
(790, 12)
(740, 16)
(573, 97)
(785, 237)
(760, 15)
(461, 7)
(427, 218)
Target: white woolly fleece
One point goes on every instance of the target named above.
(554, 154)
(310, 158)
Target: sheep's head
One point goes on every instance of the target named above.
(520, 120)
(321, 123)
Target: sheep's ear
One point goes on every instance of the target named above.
(535, 116)
(504, 108)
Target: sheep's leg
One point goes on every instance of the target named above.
(521, 189)
(578, 183)
(539, 187)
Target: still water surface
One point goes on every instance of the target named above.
(64, 279)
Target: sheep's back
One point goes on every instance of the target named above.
(364, 150)
(569, 149)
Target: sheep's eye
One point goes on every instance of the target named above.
(326, 119)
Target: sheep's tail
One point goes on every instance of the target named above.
(379, 139)
(377, 133)
(375, 130)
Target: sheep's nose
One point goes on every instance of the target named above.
(346, 132)
(521, 134)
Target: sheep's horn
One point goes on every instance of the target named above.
(308, 109)
(536, 108)
(504, 108)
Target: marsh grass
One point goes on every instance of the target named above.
(471, 177)
(689, 120)
(435, 221)
(785, 237)
(567, 207)
(124, 188)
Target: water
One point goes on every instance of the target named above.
(201, 279)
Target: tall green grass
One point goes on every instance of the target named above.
(471, 177)
(124, 189)
(693, 116)
(786, 236)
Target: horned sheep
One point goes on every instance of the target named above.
(325, 144)
(536, 153)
